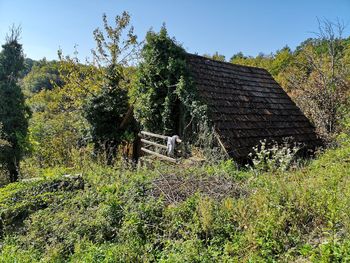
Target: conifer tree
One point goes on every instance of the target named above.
(13, 112)
(106, 110)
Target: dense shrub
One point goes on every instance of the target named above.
(165, 97)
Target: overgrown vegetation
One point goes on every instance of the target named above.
(209, 213)
(165, 97)
(79, 202)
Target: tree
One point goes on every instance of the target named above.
(166, 100)
(261, 60)
(237, 56)
(320, 78)
(28, 65)
(3, 141)
(106, 111)
(13, 111)
(216, 56)
(58, 126)
(43, 75)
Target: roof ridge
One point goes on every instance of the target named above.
(225, 62)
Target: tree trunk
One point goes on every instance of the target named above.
(13, 171)
(136, 151)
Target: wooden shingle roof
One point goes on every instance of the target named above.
(247, 105)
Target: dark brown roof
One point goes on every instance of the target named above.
(247, 105)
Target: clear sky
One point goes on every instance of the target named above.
(230, 26)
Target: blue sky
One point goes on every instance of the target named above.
(250, 26)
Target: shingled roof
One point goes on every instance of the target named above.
(247, 105)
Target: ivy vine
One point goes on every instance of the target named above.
(166, 100)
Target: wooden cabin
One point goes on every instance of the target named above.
(246, 105)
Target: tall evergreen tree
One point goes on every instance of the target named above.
(107, 110)
(13, 112)
(105, 113)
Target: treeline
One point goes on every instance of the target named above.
(316, 75)
(67, 108)
(93, 108)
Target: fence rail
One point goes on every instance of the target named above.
(146, 140)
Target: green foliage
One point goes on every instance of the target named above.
(28, 65)
(3, 141)
(183, 213)
(13, 253)
(74, 103)
(29, 198)
(13, 111)
(298, 215)
(106, 111)
(165, 97)
(216, 56)
(43, 75)
(57, 125)
(54, 136)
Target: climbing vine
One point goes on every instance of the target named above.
(166, 100)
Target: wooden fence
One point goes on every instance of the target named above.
(152, 144)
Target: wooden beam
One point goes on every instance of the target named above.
(159, 155)
(158, 136)
(128, 116)
(221, 144)
(153, 143)
(154, 135)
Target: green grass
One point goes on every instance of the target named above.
(281, 217)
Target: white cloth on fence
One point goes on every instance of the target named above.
(171, 143)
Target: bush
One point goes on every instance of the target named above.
(267, 157)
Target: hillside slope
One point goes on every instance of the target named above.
(167, 214)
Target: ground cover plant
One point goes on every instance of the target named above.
(109, 214)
